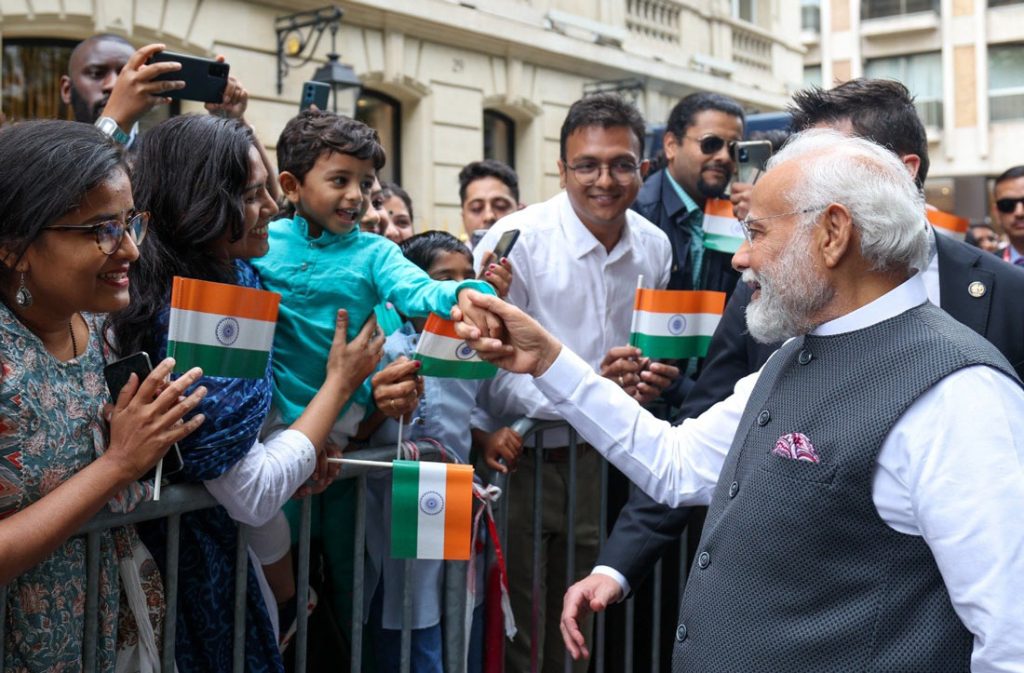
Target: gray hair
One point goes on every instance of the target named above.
(886, 206)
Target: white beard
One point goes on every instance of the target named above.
(792, 291)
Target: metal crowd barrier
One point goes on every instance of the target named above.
(181, 498)
(534, 430)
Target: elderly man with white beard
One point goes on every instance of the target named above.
(865, 486)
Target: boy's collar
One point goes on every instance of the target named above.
(326, 236)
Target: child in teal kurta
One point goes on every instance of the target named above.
(319, 261)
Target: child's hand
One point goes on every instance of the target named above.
(497, 272)
(349, 363)
(504, 444)
(397, 388)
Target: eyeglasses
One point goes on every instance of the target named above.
(1008, 205)
(623, 171)
(712, 144)
(747, 221)
(110, 234)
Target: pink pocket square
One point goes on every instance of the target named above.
(796, 446)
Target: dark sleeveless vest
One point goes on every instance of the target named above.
(795, 570)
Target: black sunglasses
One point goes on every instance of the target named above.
(711, 144)
(1008, 205)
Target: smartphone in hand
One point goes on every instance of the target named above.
(205, 79)
(117, 374)
(505, 244)
(751, 158)
(314, 93)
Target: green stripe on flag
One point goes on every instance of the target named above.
(405, 507)
(216, 361)
(719, 243)
(659, 347)
(454, 369)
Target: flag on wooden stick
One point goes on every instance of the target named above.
(431, 510)
(675, 323)
(228, 330)
(446, 355)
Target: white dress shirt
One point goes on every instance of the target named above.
(951, 470)
(581, 293)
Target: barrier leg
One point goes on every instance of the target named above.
(241, 579)
(171, 592)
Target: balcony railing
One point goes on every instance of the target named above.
(876, 9)
(654, 19)
(1006, 105)
(930, 112)
(751, 49)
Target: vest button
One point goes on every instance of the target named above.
(681, 633)
(764, 417)
(704, 560)
(734, 488)
(805, 357)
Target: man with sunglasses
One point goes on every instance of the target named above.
(971, 285)
(1008, 211)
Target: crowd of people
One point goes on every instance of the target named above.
(855, 426)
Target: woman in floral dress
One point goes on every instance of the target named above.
(68, 235)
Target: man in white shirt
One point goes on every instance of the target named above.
(882, 528)
(576, 264)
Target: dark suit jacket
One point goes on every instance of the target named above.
(659, 203)
(645, 528)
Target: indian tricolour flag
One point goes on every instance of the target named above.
(948, 224)
(675, 323)
(431, 510)
(228, 330)
(722, 231)
(444, 354)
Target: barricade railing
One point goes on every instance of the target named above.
(533, 434)
(182, 498)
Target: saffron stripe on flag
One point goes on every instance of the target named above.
(719, 207)
(458, 522)
(218, 360)
(673, 348)
(676, 301)
(405, 496)
(949, 224)
(438, 325)
(225, 299)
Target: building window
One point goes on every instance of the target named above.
(499, 137)
(876, 9)
(1006, 82)
(921, 74)
(812, 75)
(31, 78)
(810, 15)
(384, 114)
(743, 10)
(1004, 3)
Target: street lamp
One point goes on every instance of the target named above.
(298, 36)
(342, 78)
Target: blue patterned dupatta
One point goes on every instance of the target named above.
(235, 410)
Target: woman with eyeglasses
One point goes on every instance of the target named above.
(68, 238)
(205, 184)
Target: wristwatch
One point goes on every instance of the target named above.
(110, 127)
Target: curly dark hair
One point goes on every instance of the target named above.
(312, 133)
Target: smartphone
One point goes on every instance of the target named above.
(205, 79)
(117, 374)
(751, 158)
(314, 93)
(505, 244)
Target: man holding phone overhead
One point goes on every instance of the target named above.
(113, 85)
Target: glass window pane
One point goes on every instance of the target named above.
(921, 74)
(812, 75)
(499, 137)
(384, 115)
(1006, 82)
(31, 78)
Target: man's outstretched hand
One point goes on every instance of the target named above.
(593, 593)
(524, 347)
